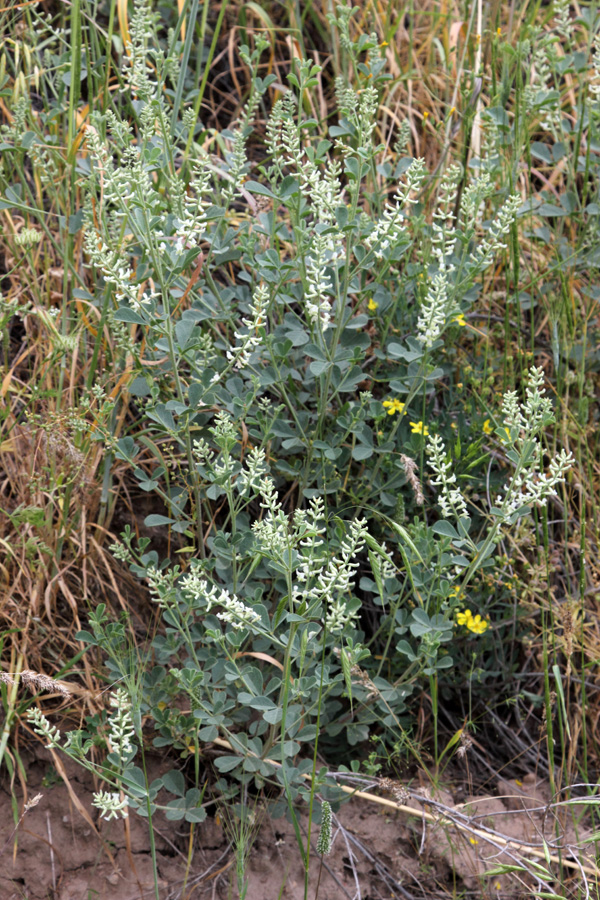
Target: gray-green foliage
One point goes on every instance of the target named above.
(266, 320)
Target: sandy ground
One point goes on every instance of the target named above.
(63, 851)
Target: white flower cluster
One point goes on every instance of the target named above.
(522, 423)
(192, 221)
(434, 311)
(120, 184)
(111, 805)
(451, 501)
(135, 68)
(390, 230)
(42, 726)
(121, 730)
(346, 97)
(472, 197)
(311, 525)
(203, 452)
(233, 610)
(562, 19)
(443, 229)
(336, 578)
(531, 487)
(162, 586)
(495, 239)
(289, 132)
(236, 159)
(256, 469)
(323, 192)
(28, 237)
(240, 356)
(115, 269)
(542, 74)
(595, 82)
(318, 307)
(367, 115)
(272, 531)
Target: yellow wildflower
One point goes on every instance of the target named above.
(393, 406)
(425, 115)
(456, 592)
(372, 305)
(419, 428)
(453, 110)
(487, 428)
(499, 32)
(384, 44)
(463, 618)
(477, 625)
(473, 841)
(459, 319)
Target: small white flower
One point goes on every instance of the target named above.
(110, 805)
(450, 498)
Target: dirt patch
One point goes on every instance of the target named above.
(64, 851)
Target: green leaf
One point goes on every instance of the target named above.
(174, 782)
(195, 815)
(254, 187)
(227, 763)
(550, 209)
(124, 314)
(319, 367)
(444, 528)
(87, 637)
(154, 520)
(360, 451)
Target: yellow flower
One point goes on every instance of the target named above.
(459, 319)
(372, 305)
(384, 44)
(456, 592)
(499, 32)
(393, 406)
(487, 428)
(473, 841)
(453, 110)
(477, 625)
(464, 618)
(425, 115)
(419, 428)
(161, 705)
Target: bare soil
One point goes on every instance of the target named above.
(64, 851)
